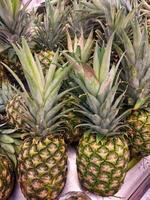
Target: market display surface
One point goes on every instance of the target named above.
(74, 99)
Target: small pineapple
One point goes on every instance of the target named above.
(103, 153)
(42, 162)
(137, 75)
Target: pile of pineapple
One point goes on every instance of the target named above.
(72, 73)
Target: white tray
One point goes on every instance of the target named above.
(136, 181)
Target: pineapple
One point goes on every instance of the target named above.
(15, 22)
(6, 177)
(49, 33)
(103, 153)
(42, 161)
(9, 147)
(14, 110)
(12, 101)
(75, 196)
(137, 74)
(81, 48)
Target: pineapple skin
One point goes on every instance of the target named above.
(139, 122)
(6, 177)
(42, 167)
(72, 133)
(102, 163)
(75, 196)
(14, 111)
(45, 57)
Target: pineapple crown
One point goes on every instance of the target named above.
(80, 47)
(144, 11)
(111, 15)
(100, 84)
(42, 109)
(145, 6)
(137, 64)
(15, 22)
(50, 32)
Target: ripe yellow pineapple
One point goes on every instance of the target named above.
(43, 158)
(103, 153)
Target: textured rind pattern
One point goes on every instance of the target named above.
(75, 196)
(42, 167)
(139, 123)
(6, 177)
(102, 163)
(14, 110)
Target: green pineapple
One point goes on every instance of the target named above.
(137, 74)
(103, 153)
(42, 159)
(15, 22)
